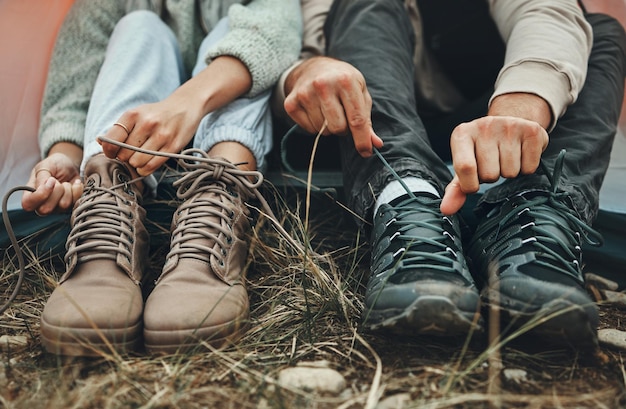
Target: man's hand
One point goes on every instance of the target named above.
(56, 181)
(323, 88)
(498, 145)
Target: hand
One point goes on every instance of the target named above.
(165, 126)
(323, 88)
(57, 185)
(490, 147)
(169, 125)
(506, 143)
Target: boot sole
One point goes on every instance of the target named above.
(188, 341)
(557, 322)
(88, 341)
(427, 315)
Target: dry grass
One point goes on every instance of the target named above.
(305, 307)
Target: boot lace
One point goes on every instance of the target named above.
(102, 228)
(424, 239)
(535, 221)
(207, 188)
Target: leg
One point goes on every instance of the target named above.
(527, 249)
(142, 65)
(419, 280)
(99, 303)
(201, 294)
(245, 121)
(386, 61)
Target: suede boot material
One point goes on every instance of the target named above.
(201, 294)
(98, 303)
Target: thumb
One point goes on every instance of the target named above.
(453, 198)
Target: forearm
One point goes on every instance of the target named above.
(221, 82)
(547, 51)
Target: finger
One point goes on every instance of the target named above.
(376, 140)
(140, 160)
(51, 203)
(464, 159)
(33, 200)
(531, 151)
(510, 159)
(358, 113)
(41, 175)
(152, 165)
(326, 106)
(117, 134)
(299, 115)
(453, 198)
(321, 106)
(119, 131)
(77, 190)
(66, 200)
(488, 160)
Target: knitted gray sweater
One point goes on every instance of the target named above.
(266, 35)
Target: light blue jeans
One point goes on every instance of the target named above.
(143, 64)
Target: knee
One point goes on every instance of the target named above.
(609, 40)
(607, 29)
(143, 21)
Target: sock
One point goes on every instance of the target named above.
(395, 189)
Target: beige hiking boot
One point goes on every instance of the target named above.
(98, 304)
(201, 295)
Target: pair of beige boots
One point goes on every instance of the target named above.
(200, 297)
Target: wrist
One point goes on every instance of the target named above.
(69, 149)
(522, 105)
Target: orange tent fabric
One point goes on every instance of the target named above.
(27, 32)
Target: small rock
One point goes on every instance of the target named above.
(13, 343)
(322, 380)
(314, 364)
(614, 298)
(515, 375)
(398, 401)
(613, 338)
(602, 283)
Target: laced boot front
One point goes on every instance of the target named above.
(98, 302)
(527, 253)
(419, 283)
(201, 294)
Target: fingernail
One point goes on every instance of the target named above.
(77, 182)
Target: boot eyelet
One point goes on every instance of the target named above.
(229, 240)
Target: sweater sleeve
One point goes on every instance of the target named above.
(314, 14)
(76, 59)
(266, 35)
(548, 44)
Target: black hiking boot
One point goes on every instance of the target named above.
(420, 283)
(527, 255)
